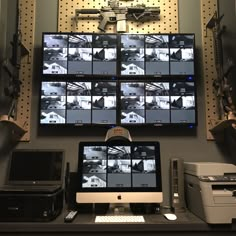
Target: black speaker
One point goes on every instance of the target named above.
(145, 208)
(177, 195)
(70, 190)
(67, 182)
(101, 208)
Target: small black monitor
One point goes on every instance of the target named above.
(36, 167)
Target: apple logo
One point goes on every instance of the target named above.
(119, 197)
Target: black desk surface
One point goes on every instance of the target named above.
(84, 225)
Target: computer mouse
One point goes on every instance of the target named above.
(170, 216)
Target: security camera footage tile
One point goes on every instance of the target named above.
(79, 88)
(104, 88)
(109, 102)
(56, 40)
(104, 54)
(157, 41)
(105, 41)
(157, 89)
(53, 88)
(80, 41)
(118, 166)
(80, 54)
(132, 89)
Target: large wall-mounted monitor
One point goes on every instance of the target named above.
(75, 54)
(113, 102)
(119, 172)
(153, 55)
(167, 102)
(118, 79)
(78, 103)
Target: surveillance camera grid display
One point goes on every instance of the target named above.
(97, 54)
(181, 54)
(132, 54)
(157, 102)
(78, 102)
(119, 166)
(182, 102)
(79, 54)
(104, 54)
(55, 49)
(126, 103)
(53, 103)
(157, 99)
(157, 54)
(132, 102)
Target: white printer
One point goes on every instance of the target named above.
(211, 191)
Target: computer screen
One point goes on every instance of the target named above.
(111, 102)
(119, 172)
(75, 54)
(181, 54)
(157, 54)
(132, 54)
(81, 54)
(78, 102)
(157, 102)
(36, 167)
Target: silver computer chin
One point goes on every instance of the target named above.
(119, 197)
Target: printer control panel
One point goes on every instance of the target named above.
(218, 178)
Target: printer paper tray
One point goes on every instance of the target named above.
(224, 197)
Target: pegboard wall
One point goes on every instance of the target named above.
(208, 8)
(26, 25)
(168, 22)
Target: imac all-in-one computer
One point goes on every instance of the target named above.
(119, 172)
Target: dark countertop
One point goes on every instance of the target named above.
(85, 223)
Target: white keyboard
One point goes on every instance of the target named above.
(119, 219)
